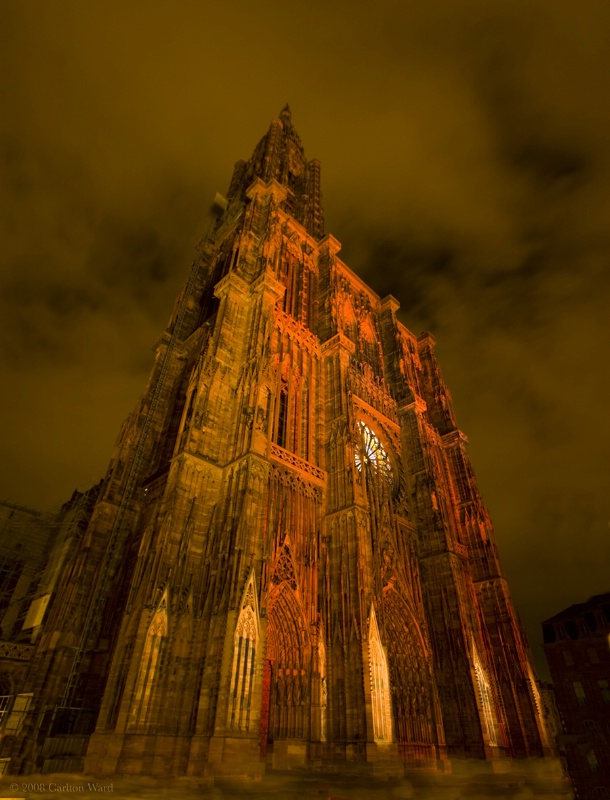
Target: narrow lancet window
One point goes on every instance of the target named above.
(380, 685)
(244, 662)
(487, 704)
(323, 688)
(154, 649)
(282, 418)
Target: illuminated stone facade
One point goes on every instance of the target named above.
(289, 563)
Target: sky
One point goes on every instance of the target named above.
(465, 151)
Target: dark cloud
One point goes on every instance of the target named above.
(465, 149)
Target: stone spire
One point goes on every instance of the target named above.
(280, 156)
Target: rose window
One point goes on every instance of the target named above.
(370, 452)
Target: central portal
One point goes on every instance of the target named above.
(286, 694)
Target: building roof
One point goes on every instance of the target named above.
(597, 601)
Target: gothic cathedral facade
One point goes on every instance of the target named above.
(289, 562)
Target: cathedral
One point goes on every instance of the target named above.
(288, 563)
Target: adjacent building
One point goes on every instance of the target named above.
(26, 539)
(34, 549)
(577, 648)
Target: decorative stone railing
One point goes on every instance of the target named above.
(304, 335)
(315, 473)
(16, 651)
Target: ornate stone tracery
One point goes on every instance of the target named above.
(380, 684)
(489, 715)
(370, 453)
(308, 507)
(245, 643)
(150, 666)
(284, 568)
(288, 654)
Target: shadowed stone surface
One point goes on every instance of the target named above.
(289, 563)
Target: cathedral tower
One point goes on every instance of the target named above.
(289, 562)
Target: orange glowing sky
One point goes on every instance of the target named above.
(465, 149)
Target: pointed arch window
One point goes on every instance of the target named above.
(538, 705)
(380, 685)
(152, 658)
(282, 417)
(350, 323)
(369, 345)
(487, 705)
(245, 644)
(323, 688)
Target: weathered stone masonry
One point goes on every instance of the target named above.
(302, 571)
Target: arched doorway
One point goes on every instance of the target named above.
(415, 709)
(286, 676)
